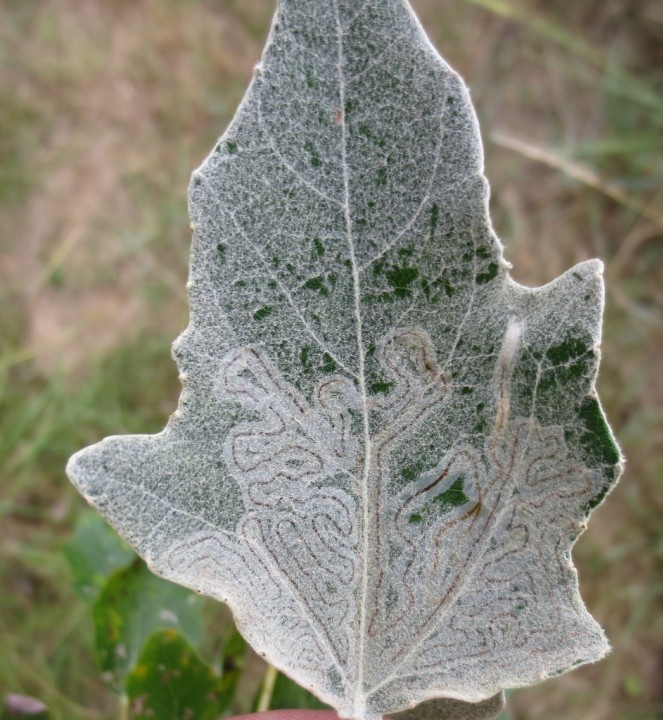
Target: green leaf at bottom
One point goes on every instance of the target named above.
(133, 605)
(171, 682)
(288, 694)
(94, 553)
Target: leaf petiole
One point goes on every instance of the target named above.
(267, 690)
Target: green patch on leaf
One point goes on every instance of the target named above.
(400, 278)
(317, 284)
(453, 496)
(263, 312)
(305, 357)
(489, 274)
(381, 387)
(598, 498)
(328, 364)
(367, 131)
(313, 154)
(434, 218)
(412, 472)
(596, 438)
(568, 350)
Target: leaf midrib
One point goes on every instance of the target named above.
(363, 487)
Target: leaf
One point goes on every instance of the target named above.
(94, 553)
(385, 448)
(171, 681)
(133, 605)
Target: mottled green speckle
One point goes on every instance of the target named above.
(598, 498)
(317, 284)
(400, 278)
(489, 274)
(329, 365)
(305, 357)
(596, 438)
(567, 350)
(263, 312)
(434, 218)
(313, 154)
(453, 496)
(381, 387)
(412, 472)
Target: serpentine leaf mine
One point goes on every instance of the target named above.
(385, 448)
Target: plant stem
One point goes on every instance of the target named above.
(265, 699)
(123, 709)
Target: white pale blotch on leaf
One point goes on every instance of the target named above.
(385, 448)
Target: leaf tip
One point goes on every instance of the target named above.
(588, 270)
(85, 472)
(73, 469)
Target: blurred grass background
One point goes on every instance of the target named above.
(107, 107)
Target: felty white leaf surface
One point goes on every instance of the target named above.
(385, 448)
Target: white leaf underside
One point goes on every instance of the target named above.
(385, 448)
